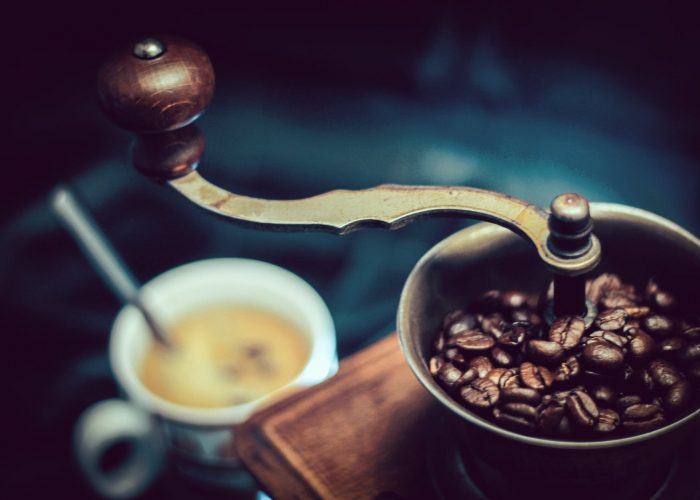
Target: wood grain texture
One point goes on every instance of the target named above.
(361, 434)
(168, 155)
(159, 94)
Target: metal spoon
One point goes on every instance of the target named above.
(102, 255)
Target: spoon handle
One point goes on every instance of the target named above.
(101, 254)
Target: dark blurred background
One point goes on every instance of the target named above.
(531, 101)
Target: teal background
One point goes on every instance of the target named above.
(531, 101)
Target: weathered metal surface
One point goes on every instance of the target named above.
(389, 206)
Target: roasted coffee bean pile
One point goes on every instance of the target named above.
(636, 368)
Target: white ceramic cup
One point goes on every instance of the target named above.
(201, 439)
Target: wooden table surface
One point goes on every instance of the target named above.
(361, 434)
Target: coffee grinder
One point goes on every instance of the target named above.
(158, 87)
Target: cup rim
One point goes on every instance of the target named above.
(420, 372)
(242, 273)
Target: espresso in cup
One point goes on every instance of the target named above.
(245, 332)
(225, 355)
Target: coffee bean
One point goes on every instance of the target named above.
(611, 319)
(516, 394)
(480, 394)
(450, 317)
(464, 323)
(525, 316)
(602, 355)
(582, 409)
(608, 421)
(679, 396)
(503, 377)
(642, 417)
(613, 338)
(567, 331)
(549, 415)
(455, 356)
(502, 357)
(565, 429)
(469, 376)
(544, 351)
(617, 298)
(641, 345)
(458, 321)
(474, 340)
(481, 364)
(513, 300)
(517, 416)
(493, 325)
(521, 409)
(664, 301)
(567, 371)
(634, 312)
(514, 335)
(657, 325)
(603, 284)
(664, 373)
(604, 395)
(439, 344)
(449, 375)
(520, 315)
(535, 377)
(637, 362)
(562, 395)
(650, 289)
(632, 324)
(645, 380)
(628, 400)
(690, 353)
(532, 328)
(435, 364)
(671, 346)
(659, 299)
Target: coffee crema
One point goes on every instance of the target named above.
(225, 355)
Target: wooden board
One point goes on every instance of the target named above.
(361, 434)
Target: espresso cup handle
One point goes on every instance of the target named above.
(119, 448)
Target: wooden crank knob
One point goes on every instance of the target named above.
(168, 155)
(156, 84)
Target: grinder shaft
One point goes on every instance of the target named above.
(570, 236)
